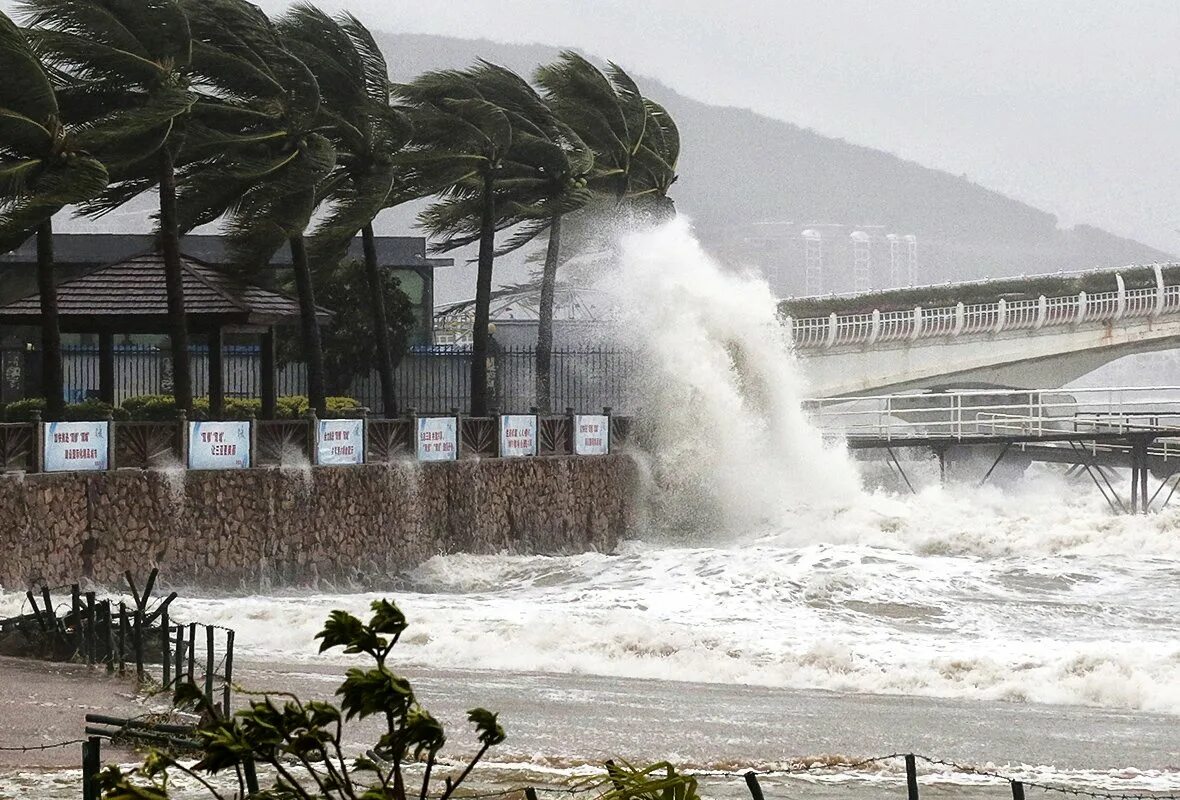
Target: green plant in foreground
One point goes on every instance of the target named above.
(303, 742)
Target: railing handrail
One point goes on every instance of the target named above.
(864, 327)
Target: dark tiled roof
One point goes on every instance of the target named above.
(106, 248)
(136, 288)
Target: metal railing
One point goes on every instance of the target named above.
(882, 327)
(433, 380)
(996, 412)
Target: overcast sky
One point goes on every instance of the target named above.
(1073, 107)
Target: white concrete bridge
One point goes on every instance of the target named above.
(997, 335)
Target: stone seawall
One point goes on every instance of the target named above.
(291, 526)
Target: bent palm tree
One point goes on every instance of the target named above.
(41, 171)
(462, 140)
(266, 178)
(125, 73)
(368, 132)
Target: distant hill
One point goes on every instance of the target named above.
(738, 168)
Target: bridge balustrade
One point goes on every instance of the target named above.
(979, 318)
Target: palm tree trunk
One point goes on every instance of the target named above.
(313, 353)
(380, 323)
(545, 317)
(483, 301)
(182, 381)
(52, 374)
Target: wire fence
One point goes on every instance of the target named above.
(431, 380)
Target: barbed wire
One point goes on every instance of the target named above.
(31, 747)
(1093, 793)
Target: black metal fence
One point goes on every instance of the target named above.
(431, 380)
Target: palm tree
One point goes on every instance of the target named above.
(608, 114)
(41, 171)
(367, 132)
(462, 140)
(125, 75)
(266, 178)
(562, 169)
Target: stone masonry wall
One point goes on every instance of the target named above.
(290, 526)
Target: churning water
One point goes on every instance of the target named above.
(765, 563)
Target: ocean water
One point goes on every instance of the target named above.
(769, 572)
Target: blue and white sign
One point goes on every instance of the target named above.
(341, 441)
(591, 435)
(76, 446)
(219, 445)
(437, 439)
(518, 435)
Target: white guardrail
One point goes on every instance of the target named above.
(928, 323)
(978, 413)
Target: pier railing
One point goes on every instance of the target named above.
(977, 413)
(918, 323)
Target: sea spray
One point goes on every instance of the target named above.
(719, 392)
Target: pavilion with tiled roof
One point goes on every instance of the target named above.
(130, 296)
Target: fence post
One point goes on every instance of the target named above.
(192, 652)
(122, 638)
(753, 786)
(313, 448)
(179, 653)
(229, 673)
(911, 777)
(571, 435)
(91, 764)
(209, 648)
(91, 630)
(108, 650)
(38, 464)
(1017, 790)
(182, 437)
(137, 643)
(165, 649)
(111, 441)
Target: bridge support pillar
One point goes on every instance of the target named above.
(1139, 472)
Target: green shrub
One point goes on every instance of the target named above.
(161, 408)
(243, 408)
(94, 410)
(296, 406)
(22, 410)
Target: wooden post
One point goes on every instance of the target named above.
(108, 650)
(91, 630)
(530, 793)
(106, 367)
(91, 765)
(911, 777)
(216, 375)
(753, 786)
(50, 614)
(251, 775)
(266, 374)
(137, 643)
(76, 613)
(41, 622)
(209, 664)
(229, 673)
(1017, 790)
(179, 653)
(165, 649)
(122, 638)
(192, 652)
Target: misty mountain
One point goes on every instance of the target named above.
(744, 174)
